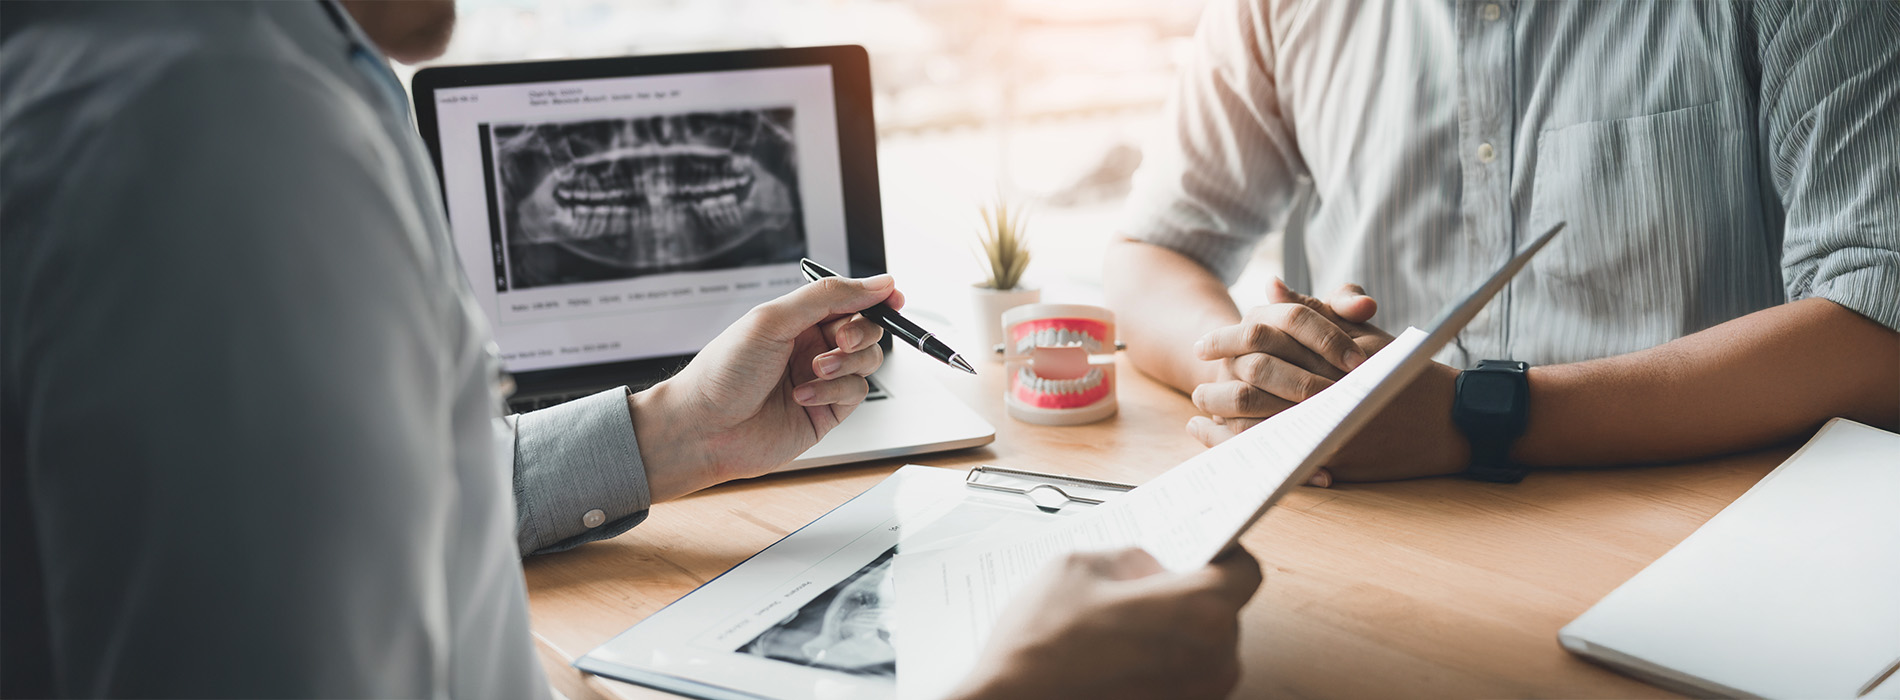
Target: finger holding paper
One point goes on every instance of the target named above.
(1116, 625)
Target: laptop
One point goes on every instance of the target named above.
(614, 215)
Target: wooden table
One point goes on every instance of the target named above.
(1426, 588)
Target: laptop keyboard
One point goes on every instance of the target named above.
(536, 403)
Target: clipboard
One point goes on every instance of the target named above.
(1048, 492)
(807, 617)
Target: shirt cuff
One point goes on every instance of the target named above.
(578, 473)
(1868, 290)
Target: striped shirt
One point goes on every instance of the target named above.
(1712, 159)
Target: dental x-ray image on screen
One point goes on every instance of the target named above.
(611, 199)
(847, 628)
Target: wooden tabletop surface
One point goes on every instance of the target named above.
(1427, 588)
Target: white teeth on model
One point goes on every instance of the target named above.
(1056, 338)
(1059, 386)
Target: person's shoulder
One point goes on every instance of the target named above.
(70, 71)
(101, 93)
(176, 112)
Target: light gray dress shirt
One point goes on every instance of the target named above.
(1712, 159)
(253, 445)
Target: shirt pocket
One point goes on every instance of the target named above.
(1646, 205)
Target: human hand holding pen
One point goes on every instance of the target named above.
(765, 390)
(900, 327)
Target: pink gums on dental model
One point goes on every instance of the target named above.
(1061, 363)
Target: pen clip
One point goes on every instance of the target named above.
(814, 271)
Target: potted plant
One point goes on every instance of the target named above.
(1005, 255)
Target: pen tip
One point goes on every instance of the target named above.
(957, 362)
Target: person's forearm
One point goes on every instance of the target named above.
(1758, 380)
(1164, 302)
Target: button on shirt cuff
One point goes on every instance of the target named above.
(578, 473)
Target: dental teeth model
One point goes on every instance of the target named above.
(1061, 363)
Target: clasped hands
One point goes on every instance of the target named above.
(1295, 346)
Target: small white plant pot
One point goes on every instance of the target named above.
(989, 305)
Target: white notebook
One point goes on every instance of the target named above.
(1791, 591)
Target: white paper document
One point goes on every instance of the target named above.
(1183, 517)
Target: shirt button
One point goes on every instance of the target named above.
(1492, 12)
(1486, 153)
(593, 518)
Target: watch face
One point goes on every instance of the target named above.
(1488, 393)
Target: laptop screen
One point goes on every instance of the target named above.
(625, 218)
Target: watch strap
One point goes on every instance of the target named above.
(1494, 465)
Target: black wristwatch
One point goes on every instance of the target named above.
(1491, 408)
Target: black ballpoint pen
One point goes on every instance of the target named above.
(882, 314)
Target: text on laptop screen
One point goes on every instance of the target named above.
(629, 218)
